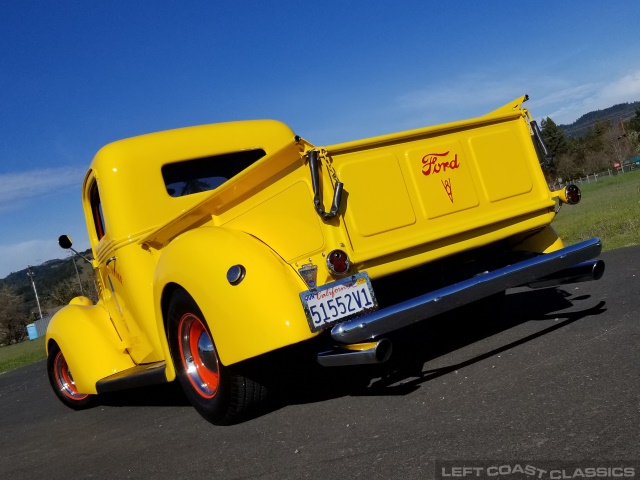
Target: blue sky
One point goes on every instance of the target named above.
(75, 75)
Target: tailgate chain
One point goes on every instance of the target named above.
(315, 181)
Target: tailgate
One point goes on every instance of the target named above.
(424, 185)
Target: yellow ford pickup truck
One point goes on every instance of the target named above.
(218, 245)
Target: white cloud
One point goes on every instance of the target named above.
(462, 97)
(627, 89)
(464, 92)
(562, 98)
(32, 252)
(17, 189)
(562, 93)
(570, 103)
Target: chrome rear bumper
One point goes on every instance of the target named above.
(561, 266)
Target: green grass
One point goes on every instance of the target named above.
(21, 354)
(609, 209)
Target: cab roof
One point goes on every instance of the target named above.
(128, 172)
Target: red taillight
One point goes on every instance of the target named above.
(338, 262)
(572, 194)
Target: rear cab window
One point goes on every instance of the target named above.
(203, 174)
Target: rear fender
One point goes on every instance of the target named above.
(260, 314)
(545, 240)
(89, 343)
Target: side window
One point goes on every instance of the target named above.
(202, 174)
(96, 210)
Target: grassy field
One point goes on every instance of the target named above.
(609, 209)
(19, 354)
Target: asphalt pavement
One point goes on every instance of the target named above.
(555, 377)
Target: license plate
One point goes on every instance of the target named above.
(338, 301)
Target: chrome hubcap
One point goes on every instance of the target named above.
(199, 356)
(65, 380)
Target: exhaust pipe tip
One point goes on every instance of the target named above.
(598, 270)
(582, 272)
(357, 354)
(383, 350)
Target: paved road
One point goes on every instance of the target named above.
(555, 378)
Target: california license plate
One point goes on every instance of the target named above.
(338, 301)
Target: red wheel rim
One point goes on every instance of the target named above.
(198, 355)
(64, 380)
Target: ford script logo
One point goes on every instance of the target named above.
(439, 162)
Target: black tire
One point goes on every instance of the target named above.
(221, 395)
(62, 381)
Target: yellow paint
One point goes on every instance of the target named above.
(409, 198)
(260, 314)
(453, 179)
(368, 209)
(545, 240)
(89, 344)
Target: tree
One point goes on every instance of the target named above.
(634, 141)
(566, 167)
(554, 137)
(594, 138)
(617, 147)
(634, 123)
(64, 291)
(13, 316)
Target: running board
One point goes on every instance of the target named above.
(138, 376)
(375, 324)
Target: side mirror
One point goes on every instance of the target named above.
(65, 242)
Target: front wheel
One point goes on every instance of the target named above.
(220, 395)
(62, 381)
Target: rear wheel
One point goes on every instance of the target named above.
(219, 394)
(62, 381)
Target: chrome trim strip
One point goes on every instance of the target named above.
(411, 311)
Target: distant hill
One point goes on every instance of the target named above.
(617, 113)
(47, 273)
(46, 276)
